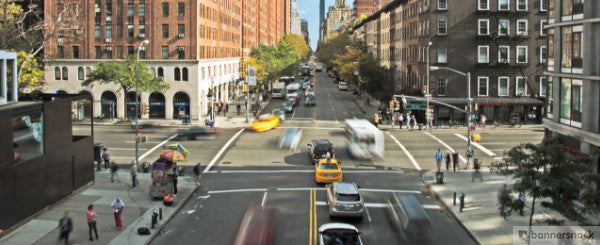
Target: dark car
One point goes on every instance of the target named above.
(288, 107)
(310, 100)
(319, 148)
(293, 100)
(193, 132)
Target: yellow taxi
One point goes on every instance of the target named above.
(328, 171)
(264, 122)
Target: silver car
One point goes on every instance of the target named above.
(344, 200)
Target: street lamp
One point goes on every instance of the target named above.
(427, 94)
(211, 92)
(137, 104)
(468, 75)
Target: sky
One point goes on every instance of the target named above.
(309, 10)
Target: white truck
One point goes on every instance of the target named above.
(363, 139)
(278, 90)
(292, 89)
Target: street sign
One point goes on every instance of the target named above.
(415, 106)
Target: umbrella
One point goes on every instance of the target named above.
(178, 147)
(173, 155)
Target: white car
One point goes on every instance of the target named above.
(339, 233)
(343, 86)
(309, 91)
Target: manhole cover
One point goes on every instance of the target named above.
(225, 162)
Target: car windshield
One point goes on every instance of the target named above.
(329, 166)
(287, 104)
(322, 149)
(347, 197)
(340, 236)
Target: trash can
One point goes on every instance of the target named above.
(185, 119)
(98, 154)
(439, 177)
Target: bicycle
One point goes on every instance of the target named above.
(496, 124)
(514, 124)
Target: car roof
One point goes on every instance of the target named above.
(346, 188)
(322, 142)
(337, 226)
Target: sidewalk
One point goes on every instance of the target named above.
(42, 227)
(481, 215)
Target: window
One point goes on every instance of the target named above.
(165, 9)
(503, 86)
(180, 30)
(180, 52)
(543, 85)
(142, 9)
(570, 99)
(484, 25)
(97, 52)
(60, 52)
(160, 72)
(503, 4)
(549, 107)
(482, 86)
(442, 4)
(165, 52)
(544, 5)
(56, 73)
(119, 52)
(75, 52)
(503, 54)
(520, 86)
(550, 49)
(65, 74)
(521, 54)
(130, 31)
(442, 55)
(108, 30)
(483, 53)
(108, 52)
(483, 5)
(570, 7)
(97, 31)
(576, 97)
(543, 31)
(543, 54)
(130, 9)
(130, 50)
(80, 73)
(180, 9)
(441, 88)
(442, 27)
(522, 27)
(503, 27)
(522, 5)
(165, 30)
(177, 74)
(184, 74)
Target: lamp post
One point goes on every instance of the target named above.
(427, 94)
(137, 104)
(211, 91)
(468, 75)
(248, 92)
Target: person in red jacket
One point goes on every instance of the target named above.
(91, 220)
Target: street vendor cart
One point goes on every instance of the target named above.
(162, 181)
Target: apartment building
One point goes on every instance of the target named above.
(337, 16)
(573, 71)
(367, 7)
(501, 43)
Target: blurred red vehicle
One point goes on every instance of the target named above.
(256, 227)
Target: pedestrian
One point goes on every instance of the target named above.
(400, 120)
(394, 118)
(65, 224)
(414, 122)
(375, 120)
(454, 160)
(447, 158)
(438, 157)
(226, 108)
(133, 174)
(113, 172)
(118, 207)
(503, 199)
(197, 171)
(106, 157)
(476, 173)
(520, 202)
(238, 107)
(91, 220)
(408, 120)
(174, 181)
(483, 119)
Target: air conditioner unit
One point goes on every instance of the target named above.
(109, 48)
(503, 61)
(108, 40)
(108, 18)
(60, 40)
(181, 48)
(142, 35)
(522, 34)
(181, 35)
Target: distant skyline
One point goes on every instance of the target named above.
(309, 10)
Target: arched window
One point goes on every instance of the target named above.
(184, 74)
(56, 73)
(80, 74)
(65, 74)
(177, 74)
(161, 73)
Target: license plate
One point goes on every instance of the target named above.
(329, 176)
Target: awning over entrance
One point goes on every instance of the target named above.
(492, 101)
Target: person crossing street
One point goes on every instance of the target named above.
(438, 159)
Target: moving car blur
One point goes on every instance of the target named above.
(198, 132)
(290, 138)
(328, 171)
(257, 226)
(408, 217)
(363, 139)
(265, 122)
(280, 113)
(339, 233)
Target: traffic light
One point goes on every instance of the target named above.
(424, 89)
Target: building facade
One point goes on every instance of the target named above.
(295, 19)
(304, 30)
(500, 43)
(367, 7)
(337, 16)
(573, 71)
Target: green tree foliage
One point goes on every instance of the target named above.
(334, 44)
(123, 73)
(279, 60)
(544, 171)
(31, 73)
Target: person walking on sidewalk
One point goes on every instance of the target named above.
(520, 202)
(118, 207)
(106, 157)
(174, 181)
(454, 160)
(438, 157)
(400, 120)
(408, 120)
(447, 159)
(376, 120)
(197, 171)
(503, 199)
(238, 107)
(226, 108)
(133, 174)
(65, 224)
(91, 220)
(113, 172)
(476, 173)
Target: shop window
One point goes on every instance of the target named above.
(65, 73)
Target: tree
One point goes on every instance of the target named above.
(545, 171)
(334, 44)
(31, 72)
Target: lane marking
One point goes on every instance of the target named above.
(155, 147)
(127, 149)
(148, 142)
(300, 171)
(301, 189)
(447, 146)
(293, 113)
(316, 128)
(389, 190)
(313, 218)
(486, 151)
(238, 190)
(264, 200)
(412, 159)
(216, 157)
(381, 205)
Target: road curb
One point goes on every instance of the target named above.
(445, 206)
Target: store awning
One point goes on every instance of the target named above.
(492, 101)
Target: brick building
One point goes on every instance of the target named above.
(367, 7)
